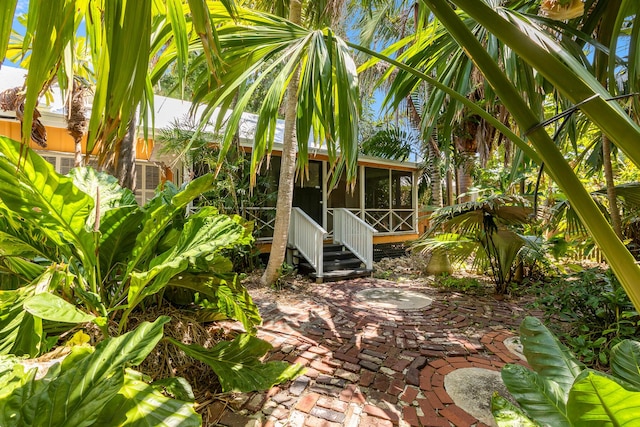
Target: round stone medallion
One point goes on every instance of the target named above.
(393, 298)
(471, 390)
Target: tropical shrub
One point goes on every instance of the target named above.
(95, 387)
(590, 312)
(114, 253)
(487, 231)
(559, 391)
(78, 249)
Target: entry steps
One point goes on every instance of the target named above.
(339, 263)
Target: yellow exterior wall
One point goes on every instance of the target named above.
(59, 140)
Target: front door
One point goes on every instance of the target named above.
(307, 194)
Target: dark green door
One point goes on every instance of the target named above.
(308, 194)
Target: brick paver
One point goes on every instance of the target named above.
(368, 366)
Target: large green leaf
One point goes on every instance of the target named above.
(31, 188)
(547, 356)
(119, 228)
(91, 388)
(7, 11)
(598, 400)
(16, 386)
(81, 390)
(51, 307)
(507, 414)
(202, 236)
(542, 398)
(104, 189)
(507, 246)
(159, 215)
(625, 362)
(221, 296)
(238, 366)
(20, 332)
(139, 404)
(24, 271)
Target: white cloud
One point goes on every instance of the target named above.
(22, 7)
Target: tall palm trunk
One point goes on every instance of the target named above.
(287, 171)
(126, 160)
(434, 175)
(604, 34)
(607, 165)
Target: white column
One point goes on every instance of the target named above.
(362, 190)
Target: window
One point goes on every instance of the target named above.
(148, 175)
(147, 180)
(389, 200)
(401, 190)
(376, 184)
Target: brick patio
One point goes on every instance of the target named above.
(368, 366)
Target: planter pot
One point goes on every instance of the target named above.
(439, 264)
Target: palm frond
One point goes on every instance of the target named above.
(262, 45)
(390, 143)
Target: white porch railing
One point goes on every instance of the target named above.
(307, 237)
(355, 234)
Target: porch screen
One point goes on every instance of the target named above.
(389, 199)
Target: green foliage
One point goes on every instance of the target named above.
(486, 230)
(92, 387)
(559, 391)
(463, 284)
(238, 366)
(594, 313)
(82, 260)
(116, 253)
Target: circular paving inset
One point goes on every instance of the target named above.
(471, 390)
(400, 299)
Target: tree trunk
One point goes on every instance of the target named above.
(616, 221)
(287, 172)
(125, 169)
(465, 180)
(435, 177)
(450, 195)
(78, 158)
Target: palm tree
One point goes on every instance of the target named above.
(325, 102)
(486, 230)
(574, 81)
(123, 79)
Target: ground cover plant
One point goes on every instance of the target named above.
(589, 311)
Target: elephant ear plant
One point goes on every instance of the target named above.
(559, 391)
(77, 249)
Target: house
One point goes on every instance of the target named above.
(384, 202)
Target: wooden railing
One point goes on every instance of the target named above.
(355, 234)
(307, 237)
